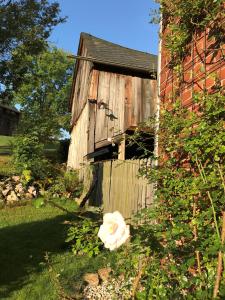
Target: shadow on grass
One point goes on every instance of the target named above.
(22, 249)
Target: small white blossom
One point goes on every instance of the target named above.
(113, 232)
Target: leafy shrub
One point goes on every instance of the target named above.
(180, 236)
(83, 236)
(72, 183)
(28, 154)
(67, 184)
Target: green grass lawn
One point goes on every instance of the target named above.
(26, 234)
(5, 140)
(5, 144)
(6, 166)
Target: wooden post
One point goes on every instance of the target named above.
(122, 148)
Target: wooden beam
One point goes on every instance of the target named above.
(98, 153)
(122, 148)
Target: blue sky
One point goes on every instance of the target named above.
(125, 22)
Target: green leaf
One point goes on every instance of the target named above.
(39, 202)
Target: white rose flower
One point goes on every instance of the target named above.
(114, 231)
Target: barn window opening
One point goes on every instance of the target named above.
(139, 145)
(108, 152)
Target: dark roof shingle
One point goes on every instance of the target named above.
(117, 55)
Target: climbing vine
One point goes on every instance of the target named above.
(183, 19)
(182, 235)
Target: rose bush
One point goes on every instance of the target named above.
(113, 232)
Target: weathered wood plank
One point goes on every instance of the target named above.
(93, 94)
(121, 189)
(106, 184)
(122, 148)
(116, 103)
(103, 97)
(128, 102)
(81, 88)
(118, 186)
(79, 137)
(121, 103)
(111, 104)
(134, 100)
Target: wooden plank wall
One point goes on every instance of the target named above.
(129, 100)
(82, 84)
(119, 187)
(79, 140)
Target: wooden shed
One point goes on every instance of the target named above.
(114, 90)
(9, 118)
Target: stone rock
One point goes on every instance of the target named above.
(28, 196)
(5, 192)
(19, 188)
(32, 191)
(104, 273)
(91, 278)
(16, 178)
(9, 186)
(121, 277)
(12, 197)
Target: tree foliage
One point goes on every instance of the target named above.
(29, 159)
(25, 26)
(43, 95)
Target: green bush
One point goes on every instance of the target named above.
(28, 154)
(83, 237)
(72, 183)
(66, 185)
(180, 235)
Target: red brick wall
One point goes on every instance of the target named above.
(203, 61)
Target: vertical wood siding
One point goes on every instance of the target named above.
(79, 141)
(82, 86)
(118, 186)
(128, 101)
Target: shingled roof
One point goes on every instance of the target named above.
(112, 54)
